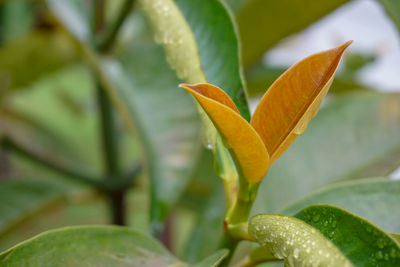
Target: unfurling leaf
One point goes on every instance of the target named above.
(242, 138)
(283, 113)
(294, 99)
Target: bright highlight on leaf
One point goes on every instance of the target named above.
(282, 114)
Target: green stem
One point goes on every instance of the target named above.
(229, 243)
(237, 217)
(109, 38)
(109, 132)
(51, 164)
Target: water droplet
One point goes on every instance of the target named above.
(326, 223)
(393, 252)
(386, 257)
(331, 234)
(316, 218)
(379, 255)
(334, 224)
(296, 252)
(209, 146)
(381, 243)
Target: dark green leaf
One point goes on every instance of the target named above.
(201, 44)
(296, 242)
(218, 47)
(373, 199)
(97, 246)
(262, 24)
(22, 198)
(356, 135)
(363, 243)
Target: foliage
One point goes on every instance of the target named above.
(160, 131)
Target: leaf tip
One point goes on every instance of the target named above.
(344, 46)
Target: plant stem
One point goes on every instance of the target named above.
(109, 133)
(236, 218)
(109, 38)
(230, 243)
(51, 164)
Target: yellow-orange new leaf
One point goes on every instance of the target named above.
(246, 144)
(294, 99)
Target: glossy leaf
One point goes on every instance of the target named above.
(363, 243)
(95, 245)
(251, 154)
(262, 24)
(23, 198)
(373, 199)
(294, 99)
(356, 135)
(185, 29)
(296, 242)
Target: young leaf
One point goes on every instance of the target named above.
(95, 246)
(296, 242)
(359, 132)
(373, 199)
(240, 136)
(363, 243)
(294, 99)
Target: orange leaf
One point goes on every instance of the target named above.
(294, 99)
(246, 144)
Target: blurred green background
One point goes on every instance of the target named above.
(50, 123)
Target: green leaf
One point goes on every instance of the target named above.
(169, 135)
(296, 242)
(49, 51)
(262, 24)
(213, 260)
(201, 44)
(66, 96)
(392, 8)
(97, 246)
(23, 198)
(144, 91)
(363, 243)
(373, 199)
(355, 136)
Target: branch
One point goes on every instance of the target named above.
(109, 38)
(51, 164)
